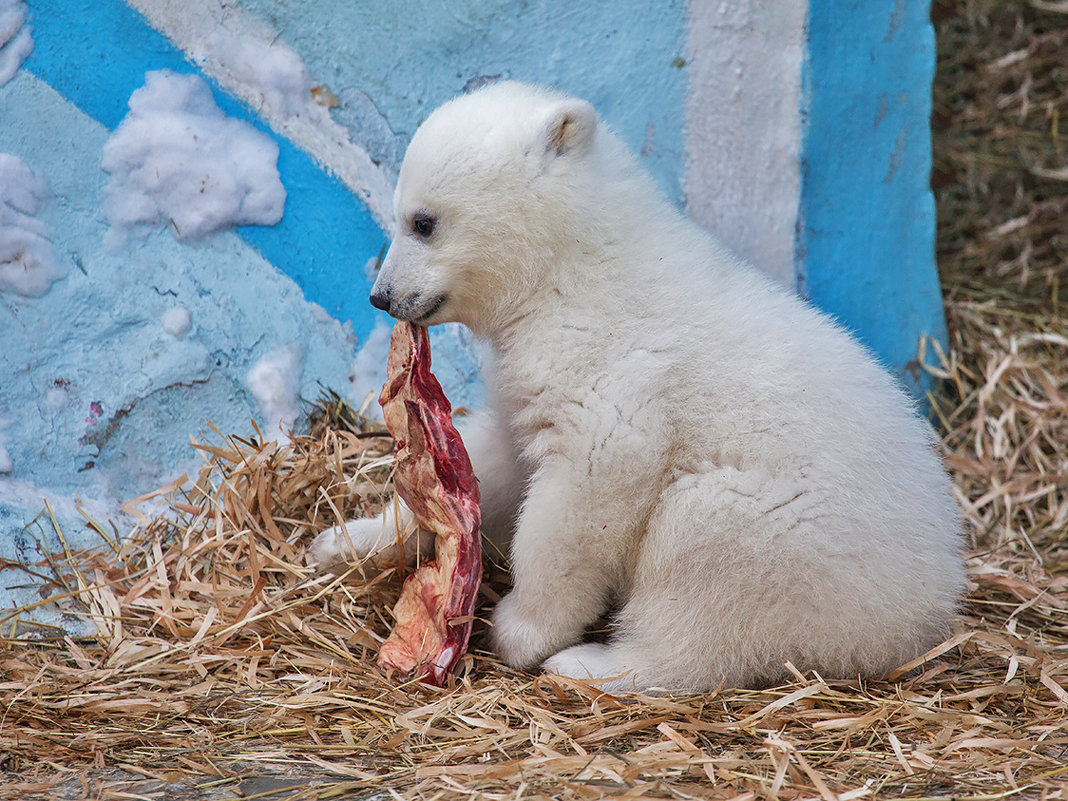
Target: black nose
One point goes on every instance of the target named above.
(380, 300)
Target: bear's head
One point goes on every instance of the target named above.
(486, 204)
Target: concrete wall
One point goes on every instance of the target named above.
(795, 131)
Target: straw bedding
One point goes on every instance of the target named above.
(221, 664)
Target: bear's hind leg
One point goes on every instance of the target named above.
(607, 667)
(741, 571)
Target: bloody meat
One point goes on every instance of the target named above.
(433, 475)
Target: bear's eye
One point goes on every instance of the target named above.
(423, 224)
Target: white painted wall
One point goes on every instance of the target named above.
(743, 126)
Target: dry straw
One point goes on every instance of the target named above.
(220, 662)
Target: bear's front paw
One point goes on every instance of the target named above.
(325, 549)
(345, 543)
(523, 638)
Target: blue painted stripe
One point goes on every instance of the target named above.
(866, 237)
(96, 54)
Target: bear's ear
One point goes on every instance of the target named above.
(569, 127)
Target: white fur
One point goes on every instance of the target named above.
(683, 439)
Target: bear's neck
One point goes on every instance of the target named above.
(611, 271)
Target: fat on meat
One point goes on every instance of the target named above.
(433, 475)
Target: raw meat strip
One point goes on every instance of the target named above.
(434, 477)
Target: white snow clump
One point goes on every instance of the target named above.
(16, 38)
(27, 261)
(6, 465)
(274, 382)
(272, 69)
(176, 321)
(177, 160)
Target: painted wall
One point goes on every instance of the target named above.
(866, 214)
(795, 131)
(743, 127)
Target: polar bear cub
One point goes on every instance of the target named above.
(670, 436)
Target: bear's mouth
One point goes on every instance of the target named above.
(431, 308)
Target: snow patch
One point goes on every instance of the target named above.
(16, 38)
(56, 398)
(25, 495)
(273, 68)
(176, 321)
(178, 161)
(6, 465)
(369, 368)
(274, 382)
(27, 261)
